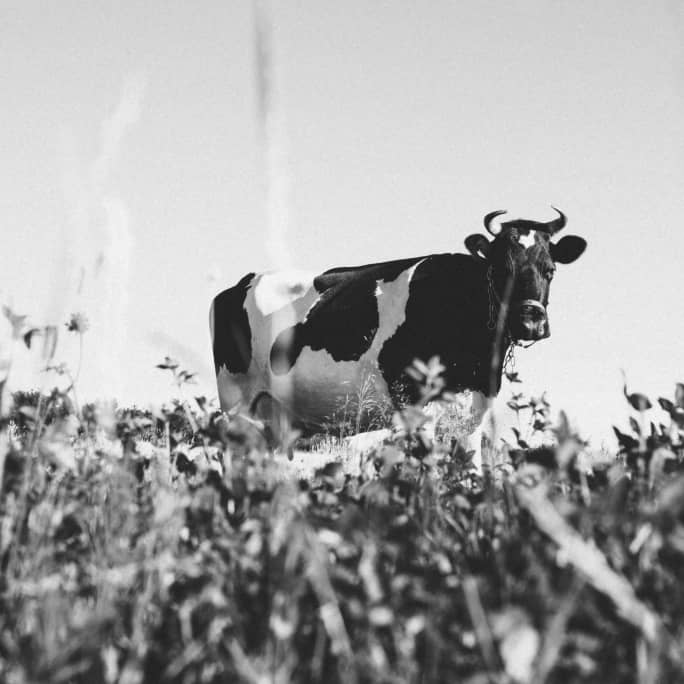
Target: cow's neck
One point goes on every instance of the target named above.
(497, 336)
(499, 346)
(447, 316)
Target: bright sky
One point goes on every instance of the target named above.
(132, 168)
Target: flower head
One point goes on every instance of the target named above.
(77, 323)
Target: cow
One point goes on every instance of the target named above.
(317, 343)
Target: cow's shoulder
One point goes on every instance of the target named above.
(230, 328)
(447, 267)
(446, 316)
(445, 290)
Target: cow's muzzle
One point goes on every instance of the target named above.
(529, 321)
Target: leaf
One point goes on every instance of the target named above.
(168, 364)
(678, 416)
(627, 442)
(329, 537)
(28, 336)
(380, 616)
(666, 404)
(679, 394)
(29, 412)
(671, 498)
(415, 374)
(518, 650)
(334, 626)
(634, 424)
(461, 502)
(281, 627)
(656, 466)
(435, 366)
(562, 429)
(16, 321)
(421, 366)
(638, 401)
(64, 455)
(539, 425)
(411, 418)
(676, 538)
(521, 442)
(514, 406)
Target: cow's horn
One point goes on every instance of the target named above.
(488, 221)
(557, 223)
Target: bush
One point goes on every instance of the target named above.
(169, 547)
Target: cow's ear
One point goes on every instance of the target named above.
(568, 249)
(478, 245)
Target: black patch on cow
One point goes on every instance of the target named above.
(382, 270)
(345, 318)
(446, 316)
(232, 334)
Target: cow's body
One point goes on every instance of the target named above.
(325, 344)
(334, 346)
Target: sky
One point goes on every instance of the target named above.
(135, 175)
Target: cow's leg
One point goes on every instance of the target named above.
(276, 420)
(434, 411)
(473, 442)
(480, 415)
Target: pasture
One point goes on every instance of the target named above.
(323, 173)
(173, 546)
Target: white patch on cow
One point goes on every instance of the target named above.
(413, 268)
(212, 323)
(527, 239)
(480, 410)
(392, 299)
(273, 291)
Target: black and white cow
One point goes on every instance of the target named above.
(313, 341)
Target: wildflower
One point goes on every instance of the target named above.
(77, 323)
(17, 321)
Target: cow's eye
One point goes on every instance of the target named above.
(548, 274)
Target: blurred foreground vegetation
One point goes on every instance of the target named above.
(172, 546)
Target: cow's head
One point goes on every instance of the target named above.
(522, 260)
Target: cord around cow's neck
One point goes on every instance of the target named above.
(495, 304)
(494, 301)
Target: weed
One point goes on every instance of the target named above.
(169, 546)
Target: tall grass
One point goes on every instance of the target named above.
(168, 546)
